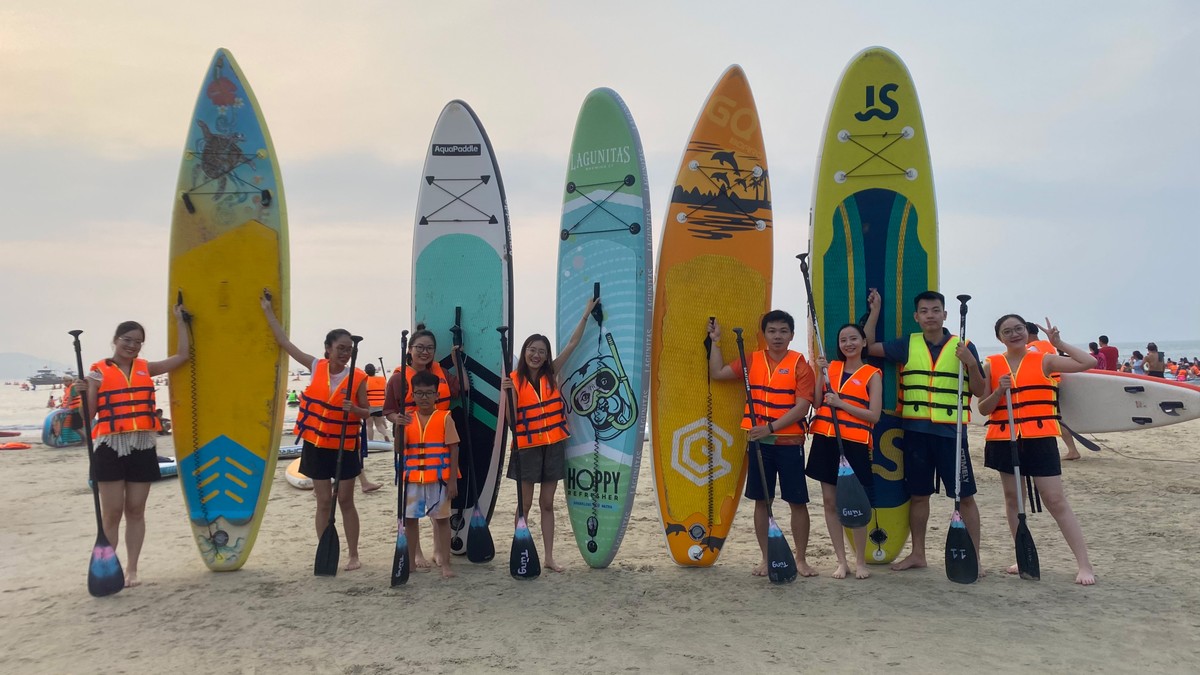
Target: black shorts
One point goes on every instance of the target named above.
(784, 461)
(321, 463)
(929, 459)
(541, 464)
(1039, 456)
(823, 461)
(139, 466)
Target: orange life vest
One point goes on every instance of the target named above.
(70, 399)
(853, 391)
(1034, 400)
(376, 391)
(774, 391)
(443, 396)
(540, 417)
(1044, 347)
(124, 404)
(426, 455)
(321, 420)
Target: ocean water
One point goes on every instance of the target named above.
(1172, 349)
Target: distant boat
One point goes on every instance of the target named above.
(48, 376)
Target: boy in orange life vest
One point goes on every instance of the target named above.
(1034, 344)
(781, 383)
(430, 469)
(929, 409)
(1026, 377)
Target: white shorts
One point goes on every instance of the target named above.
(426, 499)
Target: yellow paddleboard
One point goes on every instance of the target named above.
(714, 261)
(228, 243)
(874, 225)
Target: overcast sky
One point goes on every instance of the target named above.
(1062, 136)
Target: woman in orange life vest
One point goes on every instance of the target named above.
(327, 415)
(421, 357)
(1035, 411)
(855, 391)
(120, 393)
(541, 425)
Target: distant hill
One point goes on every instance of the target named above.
(15, 366)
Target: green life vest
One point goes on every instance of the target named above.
(928, 390)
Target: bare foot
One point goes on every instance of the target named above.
(913, 561)
(1013, 570)
(1072, 455)
(352, 564)
(760, 570)
(861, 571)
(982, 572)
(804, 570)
(131, 579)
(842, 570)
(553, 565)
(420, 562)
(1086, 576)
(370, 487)
(448, 573)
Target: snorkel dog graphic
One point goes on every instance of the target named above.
(599, 390)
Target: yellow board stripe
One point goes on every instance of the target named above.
(209, 496)
(235, 479)
(233, 497)
(205, 466)
(900, 269)
(239, 467)
(208, 480)
(849, 257)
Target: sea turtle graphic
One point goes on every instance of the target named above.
(220, 155)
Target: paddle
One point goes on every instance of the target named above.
(1082, 441)
(962, 562)
(523, 561)
(329, 547)
(1027, 556)
(400, 563)
(480, 547)
(853, 505)
(781, 563)
(105, 575)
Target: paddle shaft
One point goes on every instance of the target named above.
(762, 473)
(958, 427)
(399, 432)
(464, 401)
(1016, 456)
(826, 384)
(506, 355)
(350, 396)
(87, 433)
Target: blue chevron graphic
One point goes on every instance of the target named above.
(229, 478)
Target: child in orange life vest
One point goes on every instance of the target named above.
(855, 392)
(1025, 376)
(327, 416)
(541, 425)
(1034, 344)
(430, 469)
(120, 393)
(421, 357)
(782, 383)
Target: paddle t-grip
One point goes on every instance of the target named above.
(597, 311)
(962, 303)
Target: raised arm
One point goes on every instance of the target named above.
(281, 337)
(560, 361)
(717, 368)
(180, 356)
(873, 301)
(1074, 359)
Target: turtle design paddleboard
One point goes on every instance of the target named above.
(462, 272)
(604, 243)
(714, 261)
(874, 225)
(228, 243)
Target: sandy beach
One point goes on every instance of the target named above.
(1138, 501)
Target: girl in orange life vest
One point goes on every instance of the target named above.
(430, 469)
(783, 381)
(541, 425)
(120, 393)
(1034, 344)
(1025, 376)
(855, 392)
(327, 415)
(421, 357)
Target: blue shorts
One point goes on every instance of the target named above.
(929, 459)
(785, 461)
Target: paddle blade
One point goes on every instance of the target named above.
(105, 576)
(854, 509)
(962, 564)
(780, 558)
(523, 562)
(400, 566)
(328, 550)
(1027, 556)
(480, 547)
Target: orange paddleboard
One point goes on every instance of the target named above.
(715, 261)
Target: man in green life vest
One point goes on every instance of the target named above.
(928, 404)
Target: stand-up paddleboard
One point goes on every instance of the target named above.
(228, 243)
(714, 261)
(461, 261)
(58, 431)
(874, 225)
(604, 243)
(295, 478)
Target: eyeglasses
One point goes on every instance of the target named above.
(535, 351)
(423, 348)
(1015, 330)
(132, 342)
(343, 349)
(424, 394)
